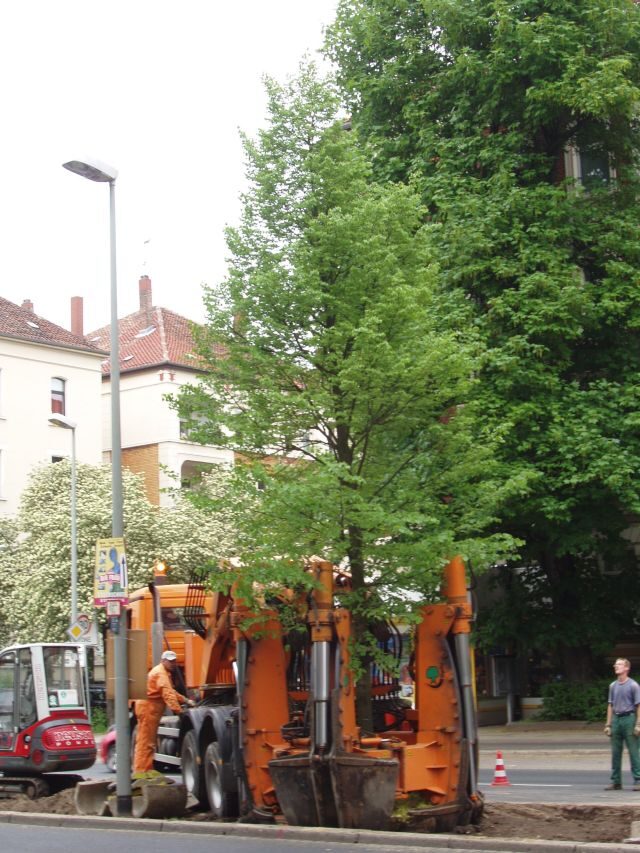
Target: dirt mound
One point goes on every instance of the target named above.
(500, 820)
(60, 803)
(558, 823)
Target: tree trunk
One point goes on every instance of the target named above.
(361, 629)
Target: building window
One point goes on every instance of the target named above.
(58, 396)
(57, 458)
(590, 167)
(594, 168)
(189, 427)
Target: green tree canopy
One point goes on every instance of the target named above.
(478, 103)
(341, 373)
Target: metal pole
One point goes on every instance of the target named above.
(116, 441)
(320, 693)
(74, 534)
(157, 628)
(123, 739)
(463, 655)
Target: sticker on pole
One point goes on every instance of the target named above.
(84, 631)
(111, 582)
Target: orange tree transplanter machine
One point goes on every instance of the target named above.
(275, 731)
(44, 726)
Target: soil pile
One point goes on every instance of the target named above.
(60, 803)
(558, 823)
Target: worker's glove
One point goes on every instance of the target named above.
(607, 731)
(636, 730)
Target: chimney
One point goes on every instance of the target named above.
(77, 320)
(146, 301)
(28, 304)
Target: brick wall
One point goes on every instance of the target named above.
(144, 460)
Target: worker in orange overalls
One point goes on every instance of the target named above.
(160, 693)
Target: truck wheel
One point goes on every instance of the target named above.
(132, 745)
(192, 774)
(111, 758)
(222, 803)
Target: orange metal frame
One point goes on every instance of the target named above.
(429, 753)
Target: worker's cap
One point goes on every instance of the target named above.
(169, 656)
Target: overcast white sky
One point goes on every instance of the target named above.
(157, 89)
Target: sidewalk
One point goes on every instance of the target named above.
(564, 734)
(546, 744)
(553, 728)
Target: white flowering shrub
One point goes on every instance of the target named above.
(35, 550)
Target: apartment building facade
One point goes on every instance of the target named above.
(44, 370)
(156, 359)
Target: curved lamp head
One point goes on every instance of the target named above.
(94, 170)
(62, 421)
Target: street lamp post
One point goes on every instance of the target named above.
(65, 423)
(94, 170)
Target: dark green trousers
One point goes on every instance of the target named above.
(621, 733)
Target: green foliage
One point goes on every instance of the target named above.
(474, 88)
(573, 701)
(347, 376)
(474, 103)
(99, 720)
(533, 613)
(36, 563)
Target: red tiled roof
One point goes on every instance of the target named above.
(152, 338)
(22, 324)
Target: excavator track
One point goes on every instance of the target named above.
(35, 787)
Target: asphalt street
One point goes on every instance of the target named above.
(64, 834)
(41, 839)
(551, 763)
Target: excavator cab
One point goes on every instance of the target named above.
(44, 726)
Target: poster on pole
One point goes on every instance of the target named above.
(111, 582)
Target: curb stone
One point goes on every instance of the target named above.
(319, 834)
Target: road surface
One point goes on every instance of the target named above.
(48, 839)
(552, 767)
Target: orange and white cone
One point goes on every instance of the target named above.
(500, 776)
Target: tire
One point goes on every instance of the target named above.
(132, 745)
(223, 804)
(192, 773)
(110, 762)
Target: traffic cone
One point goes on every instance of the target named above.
(500, 776)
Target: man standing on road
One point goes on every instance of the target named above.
(623, 724)
(160, 693)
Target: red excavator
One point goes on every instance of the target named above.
(44, 727)
(275, 730)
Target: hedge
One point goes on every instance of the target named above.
(568, 700)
